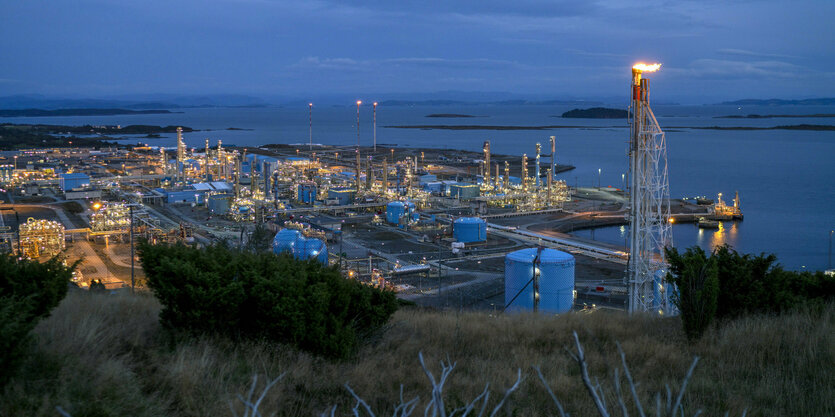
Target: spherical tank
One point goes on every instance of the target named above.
(469, 229)
(285, 241)
(556, 280)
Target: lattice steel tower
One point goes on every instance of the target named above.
(649, 215)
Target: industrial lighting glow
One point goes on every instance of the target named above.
(646, 67)
(359, 102)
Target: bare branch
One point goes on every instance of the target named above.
(551, 393)
(360, 401)
(619, 394)
(631, 383)
(584, 370)
(508, 392)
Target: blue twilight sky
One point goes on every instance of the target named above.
(711, 49)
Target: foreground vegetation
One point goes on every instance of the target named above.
(255, 294)
(103, 355)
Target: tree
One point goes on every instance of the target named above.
(697, 288)
(29, 290)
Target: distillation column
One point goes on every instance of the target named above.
(538, 153)
(486, 149)
(553, 156)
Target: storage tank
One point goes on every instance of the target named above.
(285, 241)
(469, 229)
(309, 248)
(464, 191)
(556, 280)
(394, 211)
(219, 203)
(292, 241)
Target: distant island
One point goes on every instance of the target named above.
(481, 127)
(75, 112)
(596, 113)
(780, 102)
(448, 115)
(782, 127)
(773, 116)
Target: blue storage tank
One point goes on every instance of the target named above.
(556, 280)
(469, 229)
(285, 241)
(394, 211)
(311, 249)
(292, 241)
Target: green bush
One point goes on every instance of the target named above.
(29, 290)
(244, 294)
(751, 284)
(696, 279)
(745, 284)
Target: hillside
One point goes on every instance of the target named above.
(106, 355)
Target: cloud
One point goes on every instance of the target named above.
(747, 53)
(350, 63)
(717, 68)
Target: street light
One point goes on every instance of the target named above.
(310, 119)
(830, 248)
(375, 126)
(598, 177)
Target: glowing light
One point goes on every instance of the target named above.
(646, 67)
(375, 103)
(359, 102)
(310, 104)
(96, 206)
(672, 220)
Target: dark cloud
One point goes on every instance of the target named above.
(751, 48)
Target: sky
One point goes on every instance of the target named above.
(710, 49)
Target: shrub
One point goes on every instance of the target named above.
(29, 290)
(695, 276)
(750, 284)
(245, 294)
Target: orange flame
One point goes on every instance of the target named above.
(646, 67)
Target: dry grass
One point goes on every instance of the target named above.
(106, 355)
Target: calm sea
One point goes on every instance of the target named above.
(786, 179)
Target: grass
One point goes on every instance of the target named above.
(101, 355)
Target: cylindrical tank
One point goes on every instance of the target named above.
(285, 241)
(469, 229)
(218, 203)
(555, 277)
(394, 211)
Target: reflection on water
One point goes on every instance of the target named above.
(684, 235)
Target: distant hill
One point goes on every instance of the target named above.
(449, 115)
(780, 102)
(34, 101)
(74, 112)
(596, 113)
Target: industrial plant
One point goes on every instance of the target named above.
(474, 230)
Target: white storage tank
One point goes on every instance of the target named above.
(555, 271)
